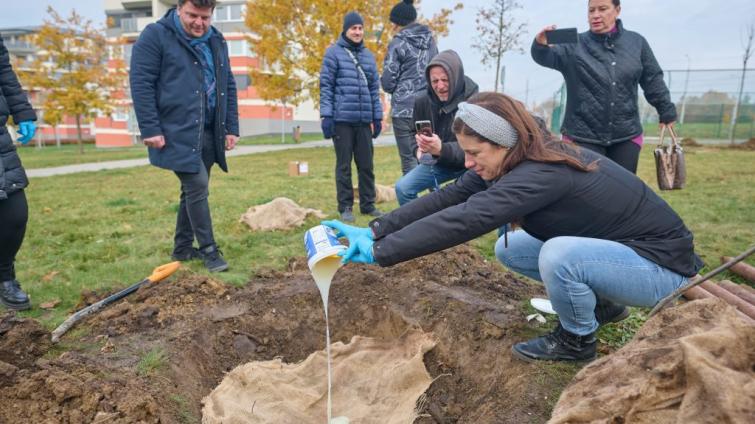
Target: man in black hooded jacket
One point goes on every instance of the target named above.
(439, 156)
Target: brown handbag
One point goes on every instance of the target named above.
(669, 163)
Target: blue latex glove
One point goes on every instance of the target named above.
(26, 129)
(360, 242)
(377, 126)
(328, 127)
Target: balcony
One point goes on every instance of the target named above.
(136, 4)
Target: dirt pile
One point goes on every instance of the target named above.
(154, 356)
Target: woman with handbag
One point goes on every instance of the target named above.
(602, 71)
(594, 234)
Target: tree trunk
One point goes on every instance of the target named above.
(57, 136)
(78, 134)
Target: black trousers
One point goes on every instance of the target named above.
(626, 153)
(14, 214)
(193, 219)
(354, 141)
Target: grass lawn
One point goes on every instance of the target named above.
(109, 229)
(706, 131)
(68, 154)
(51, 156)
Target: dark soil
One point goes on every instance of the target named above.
(153, 357)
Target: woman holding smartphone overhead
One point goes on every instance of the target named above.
(602, 71)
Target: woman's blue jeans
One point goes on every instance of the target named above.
(423, 177)
(579, 272)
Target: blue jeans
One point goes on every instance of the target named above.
(578, 272)
(423, 177)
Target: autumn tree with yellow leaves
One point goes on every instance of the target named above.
(291, 36)
(71, 71)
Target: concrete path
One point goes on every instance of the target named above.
(384, 140)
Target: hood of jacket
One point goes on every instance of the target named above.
(417, 35)
(459, 85)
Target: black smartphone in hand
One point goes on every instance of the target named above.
(424, 128)
(561, 36)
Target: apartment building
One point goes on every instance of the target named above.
(125, 19)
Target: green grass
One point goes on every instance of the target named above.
(68, 154)
(109, 229)
(185, 416)
(702, 131)
(276, 139)
(152, 361)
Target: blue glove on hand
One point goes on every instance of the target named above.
(26, 129)
(377, 126)
(328, 127)
(360, 242)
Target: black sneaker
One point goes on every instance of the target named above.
(347, 215)
(608, 312)
(375, 212)
(213, 259)
(558, 345)
(13, 297)
(185, 255)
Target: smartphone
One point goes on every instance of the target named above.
(424, 128)
(561, 36)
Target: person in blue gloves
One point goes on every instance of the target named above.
(590, 230)
(14, 211)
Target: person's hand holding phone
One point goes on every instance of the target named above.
(541, 38)
(431, 144)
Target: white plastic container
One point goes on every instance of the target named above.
(321, 242)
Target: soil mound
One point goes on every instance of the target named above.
(692, 363)
(155, 355)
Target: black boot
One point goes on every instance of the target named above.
(213, 259)
(607, 312)
(185, 254)
(13, 297)
(559, 345)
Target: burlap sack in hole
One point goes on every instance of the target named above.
(688, 364)
(279, 214)
(374, 381)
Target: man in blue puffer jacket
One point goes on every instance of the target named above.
(349, 103)
(14, 211)
(185, 101)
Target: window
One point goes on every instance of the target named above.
(237, 48)
(229, 13)
(242, 81)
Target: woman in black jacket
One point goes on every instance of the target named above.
(14, 210)
(602, 71)
(593, 233)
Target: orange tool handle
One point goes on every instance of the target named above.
(163, 271)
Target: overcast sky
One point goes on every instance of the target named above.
(709, 32)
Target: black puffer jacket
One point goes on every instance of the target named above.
(13, 101)
(428, 107)
(602, 72)
(550, 200)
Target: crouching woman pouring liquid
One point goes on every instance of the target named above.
(592, 232)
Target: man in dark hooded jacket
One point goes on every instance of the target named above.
(404, 75)
(440, 158)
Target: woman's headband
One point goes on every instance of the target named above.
(488, 124)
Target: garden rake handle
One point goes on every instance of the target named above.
(158, 274)
(695, 281)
